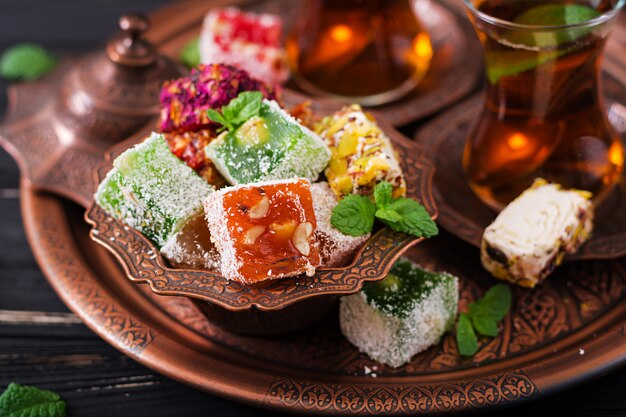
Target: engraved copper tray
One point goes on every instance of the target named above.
(463, 214)
(455, 68)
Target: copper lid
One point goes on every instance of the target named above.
(109, 94)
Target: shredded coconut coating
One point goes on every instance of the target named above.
(152, 191)
(288, 150)
(246, 40)
(185, 101)
(398, 325)
(532, 235)
(362, 155)
(336, 248)
(191, 247)
(232, 260)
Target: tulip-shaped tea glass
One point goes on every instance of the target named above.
(544, 114)
(365, 51)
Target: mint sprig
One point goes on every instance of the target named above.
(482, 318)
(190, 55)
(26, 61)
(26, 401)
(355, 214)
(238, 111)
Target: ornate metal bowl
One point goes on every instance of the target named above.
(143, 262)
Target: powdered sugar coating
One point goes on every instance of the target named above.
(152, 191)
(394, 335)
(246, 40)
(290, 150)
(336, 248)
(225, 232)
(191, 247)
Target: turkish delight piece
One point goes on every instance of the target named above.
(532, 235)
(184, 101)
(191, 247)
(264, 230)
(270, 146)
(362, 155)
(246, 40)
(152, 191)
(405, 313)
(189, 147)
(335, 248)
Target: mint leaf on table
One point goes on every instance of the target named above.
(26, 401)
(506, 63)
(466, 340)
(354, 215)
(239, 110)
(483, 317)
(190, 55)
(26, 61)
(414, 219)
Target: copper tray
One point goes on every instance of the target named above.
(455, 68)
(570, 329)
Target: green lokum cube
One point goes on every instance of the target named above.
(405, 313)
(152, 190)
(270, 146)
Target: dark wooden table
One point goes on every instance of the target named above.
(44, 344)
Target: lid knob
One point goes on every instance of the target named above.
(129, 48)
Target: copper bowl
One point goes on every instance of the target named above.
(274, 306)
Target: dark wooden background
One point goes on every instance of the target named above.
(43, 344)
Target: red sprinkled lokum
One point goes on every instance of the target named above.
(247, 40)
(264, 230)
(184, 101)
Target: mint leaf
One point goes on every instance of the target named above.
(242, 108)
(382, 194)
(25, 401)
(415, 219)
(495, 304)
(513, 61)
(485, 325)
(388, 214)
(354, 215)
(26, 61)
(190, 55)
(217, 117)
(466, 340)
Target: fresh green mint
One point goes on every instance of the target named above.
(26, 61)
(238, 111)
(190, 55)
(482, 318)
(355, 214)
(26, 401)
(506, 63)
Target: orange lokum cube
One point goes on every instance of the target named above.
(264, 230)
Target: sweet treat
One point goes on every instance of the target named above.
(335, 248)
(189, 147)
(246, 40)
(184, 101)
(264, 230)
(152, 191)
(270, 146)
(532, 235)
(405, 313)
(191, 247)
(362, 154)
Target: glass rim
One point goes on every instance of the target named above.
(603, 18)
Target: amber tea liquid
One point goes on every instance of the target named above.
(544, 115)
(372, 51)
